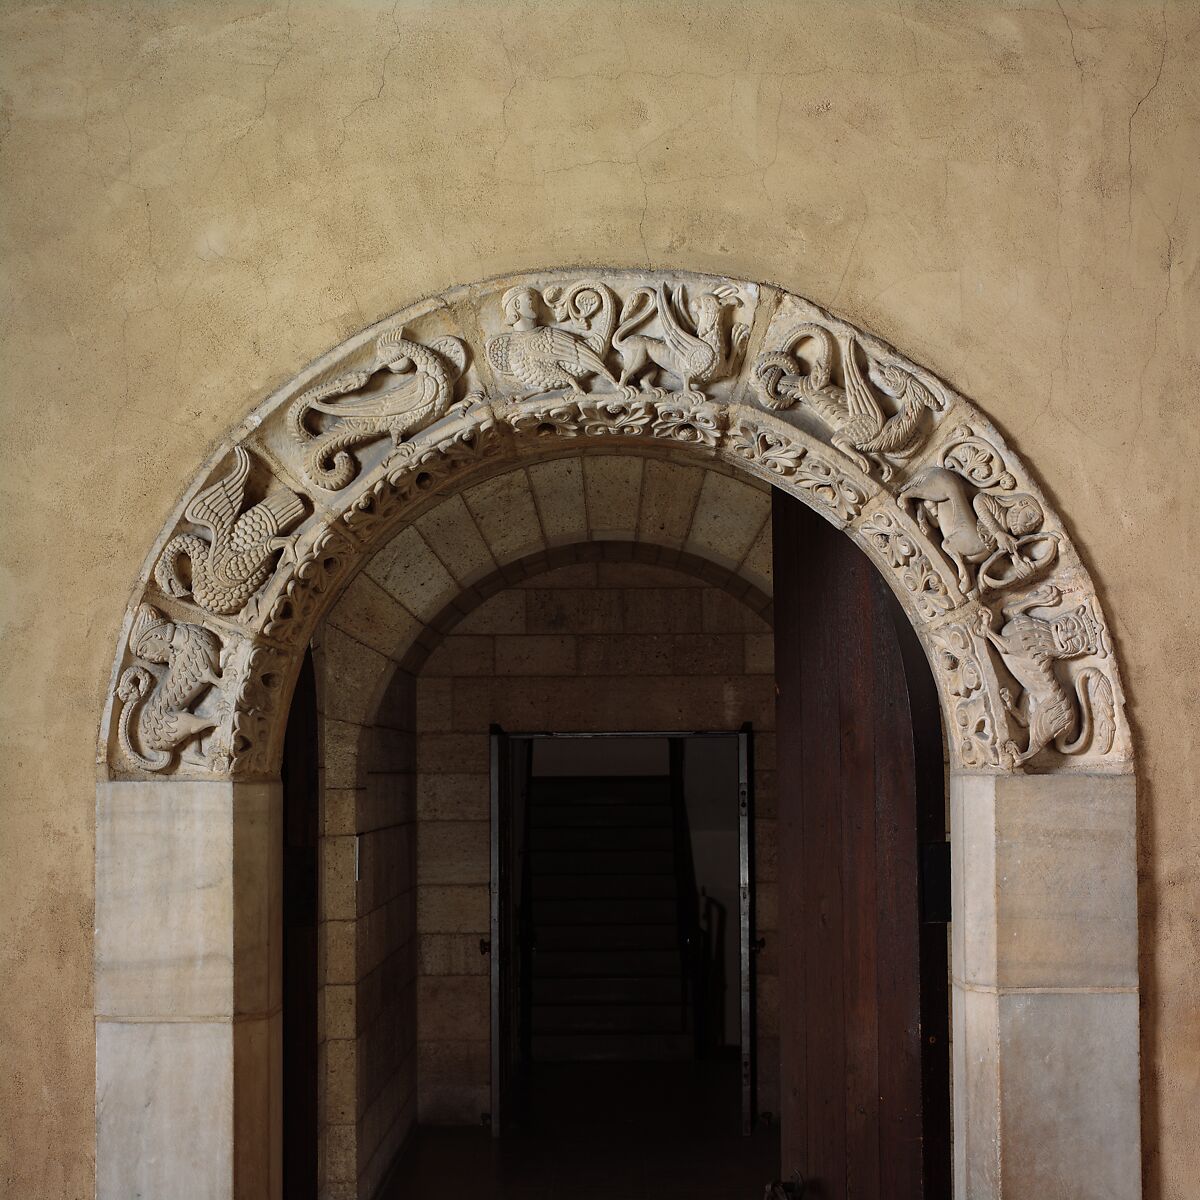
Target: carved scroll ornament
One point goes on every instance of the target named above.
(483, 378)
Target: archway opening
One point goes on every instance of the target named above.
(339, 461)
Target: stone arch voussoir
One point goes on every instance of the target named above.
(747, 379)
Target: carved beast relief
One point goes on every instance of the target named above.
(682, 335)
(652, 363)
(330, 420)
(157, 718)
(222, 570)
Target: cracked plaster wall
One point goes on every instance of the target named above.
(201, 197)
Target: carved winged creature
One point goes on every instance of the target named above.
(1030, 646)
(693, 347)
(541, 357)
(228, 567)
(861, 431)
(162, 705)
(420, 395)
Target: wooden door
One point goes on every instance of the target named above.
(300, 839)
(864, 1024)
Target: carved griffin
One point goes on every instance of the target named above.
(1030, 646)
(157, 707)
(228, 567)
(421, 393)
(544, 358)
(860, 429)
(694, 347)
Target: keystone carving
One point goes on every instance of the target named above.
(221, 572)
(860, 427)
(1075, 719)
(353, 409)
(156, 717)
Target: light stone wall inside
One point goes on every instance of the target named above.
(594, 646)
(200, 198)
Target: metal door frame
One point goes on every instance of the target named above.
(499, 739)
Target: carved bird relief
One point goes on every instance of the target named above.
(861, 431)
(420, 395)
(541, 357)
(225, 569)
(694, 347)
(1030, 646)
(162, 705)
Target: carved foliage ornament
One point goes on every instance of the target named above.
(665, 364)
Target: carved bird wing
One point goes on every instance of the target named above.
(686, 346)
(217, 507)
(860, 400)
(411, 392)
(266, 520)
(569, 353)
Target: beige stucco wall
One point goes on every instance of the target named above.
(200, 197)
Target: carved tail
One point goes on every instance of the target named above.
(166, 570)
(328, 462)
(1098, 717)
(633, 314)
(135, 683)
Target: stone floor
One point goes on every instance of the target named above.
(604, 1131)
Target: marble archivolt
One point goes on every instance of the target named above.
(476, 381)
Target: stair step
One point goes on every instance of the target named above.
(656, 886)
(654, 989)
(603, 862)
(607, 1018)
(608, 911)
(632, 936)
(558, 964)
(589, 838)
(619, 1047)
(592, 815)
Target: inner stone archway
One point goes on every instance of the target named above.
(454, 392)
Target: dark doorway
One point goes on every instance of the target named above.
(300, 839)
(864, 1040)
(621, 923)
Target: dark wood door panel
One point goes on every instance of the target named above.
(864, 1108)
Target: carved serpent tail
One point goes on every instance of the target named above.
(1097, 716)
(166, 570)
(778, 374)
(633, 314)
(135, 683)
(328, 462)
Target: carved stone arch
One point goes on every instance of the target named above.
(755, 383)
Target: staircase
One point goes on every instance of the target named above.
(603, 887)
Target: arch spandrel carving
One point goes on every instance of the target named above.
(468, 384)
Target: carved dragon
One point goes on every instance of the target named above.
(162, 705)
(544, 358)
(693, 348)
(228, 567)
(860, 429)
(1030, 646)
(421, 394)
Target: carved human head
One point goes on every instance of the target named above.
(1023, 514)
(520, 306)
(150, 637)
